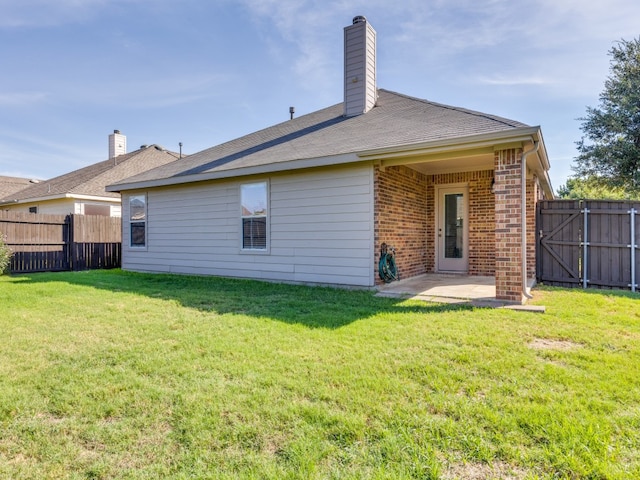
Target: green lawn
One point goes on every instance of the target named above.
(108, 374)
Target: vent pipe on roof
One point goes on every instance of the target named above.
(117, 144)
(292, 110)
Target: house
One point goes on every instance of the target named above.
(313, 199)
(11, 185)
(83, 191)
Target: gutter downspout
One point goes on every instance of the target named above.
(523, 215)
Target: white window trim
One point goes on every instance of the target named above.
(461, 187)
(256, 251)
(146, 222)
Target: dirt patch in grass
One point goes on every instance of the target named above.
(483, 471)
(551, 344)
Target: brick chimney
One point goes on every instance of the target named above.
(117, 144)
(360, 90)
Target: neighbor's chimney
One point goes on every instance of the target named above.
(360, 91)
(117, 144)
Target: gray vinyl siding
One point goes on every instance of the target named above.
(359, 68)
(320, 223)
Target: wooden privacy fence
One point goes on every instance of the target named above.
(588, 243)
(49, 243)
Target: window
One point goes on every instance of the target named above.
(253, 199)
(33, 209)
(94, 209)
(138, 220)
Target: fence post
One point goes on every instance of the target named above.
(632, 214)
(585, 238)
(70, 242)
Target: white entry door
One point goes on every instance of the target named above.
(452, 231)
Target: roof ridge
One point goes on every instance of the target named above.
(476, 113)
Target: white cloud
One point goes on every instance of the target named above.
(308, 29)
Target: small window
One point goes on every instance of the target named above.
(93, 209)
(253, 199)
(138, 220)
(33, 209)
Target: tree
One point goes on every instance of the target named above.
(609, 151)
(581, 188)
(5, 255)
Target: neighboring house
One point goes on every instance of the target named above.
(313, 199)
(11, 185)
(83, 191)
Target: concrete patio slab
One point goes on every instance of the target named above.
(451, 288)
(460, 287)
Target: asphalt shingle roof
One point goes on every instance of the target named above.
(10, 185)
(395, 121)
(93, 179)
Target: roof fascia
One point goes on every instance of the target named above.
(60, 197)
(238, 172)
(96, 198)
(33, 200)
(435, 155)
(460, 144)
(540, 165)
(472, 145)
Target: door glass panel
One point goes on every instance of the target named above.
(454, 225)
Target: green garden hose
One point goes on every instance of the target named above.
(387, 266)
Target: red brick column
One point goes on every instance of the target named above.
(507, 165)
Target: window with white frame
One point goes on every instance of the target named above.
(253, 201)
(138, 220)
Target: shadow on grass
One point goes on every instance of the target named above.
(610, 292)
(312, 306)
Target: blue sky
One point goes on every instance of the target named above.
(204, 72)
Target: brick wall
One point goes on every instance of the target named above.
(405, 217)
(508, 226)
(481, 219)
(399, 218)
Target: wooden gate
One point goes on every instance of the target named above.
(588, 243)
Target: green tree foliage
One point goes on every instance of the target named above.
(609, 151)
(5, 255)
(592, 188)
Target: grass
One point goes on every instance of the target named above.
(109, 374)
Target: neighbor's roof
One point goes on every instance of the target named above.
(92, 180)
(11, 185)
(396, 121)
